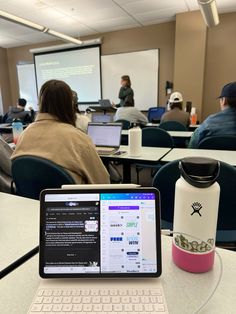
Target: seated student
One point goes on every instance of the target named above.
(176, 113)
(130, 113)
(82, 121)
(53, 136)
(19, 113)
(221, 123)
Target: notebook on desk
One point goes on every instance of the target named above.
(100, 252)
(106, 137)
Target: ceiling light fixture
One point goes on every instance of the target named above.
(209, 12)
(18, 20)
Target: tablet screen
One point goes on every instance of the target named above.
(99, 233)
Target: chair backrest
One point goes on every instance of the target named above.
(32, 174)
(155, 113)
(166, 178)
(155, 137)
(125, 124)
(5, 157)
(172, 126)
(227, 142)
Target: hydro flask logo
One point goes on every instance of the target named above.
(196, 208)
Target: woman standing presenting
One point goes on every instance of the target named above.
(125, 90)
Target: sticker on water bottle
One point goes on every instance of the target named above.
(193, 246)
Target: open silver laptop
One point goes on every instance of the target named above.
(101, 118)
(100, 252)
(105, 103)
(106, 137)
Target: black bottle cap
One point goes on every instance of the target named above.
(199, 172)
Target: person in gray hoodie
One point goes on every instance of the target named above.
(19, 113)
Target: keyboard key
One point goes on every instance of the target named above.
(36, 308)
(107, 307)
(113, 292)
(47, 292)
(104, 292)
(139, 292)
(159, 308)
(145, 299)
(96, 299)
(86, 300)
(85, 292)
(115, 299)
(132, 292)
(67, 307)
(122, 292)
(40, 292)
(57, 300)
(87, 307)
(47, 300)
(56, 293)
(47, 308)
(77, 307)
(146, 292)
(156, 292)
(66, 292)
(160, 300)
(56, 307)
(66, 300)
(106, 299)
(148, 307)
(94, 292)
(117, 307)
(38, 300)
(134, 299)
(128, 307)
(97, 307)
(76, 299)
(125, 300)
(138, 307)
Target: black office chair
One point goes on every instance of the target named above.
(165, 180)
(172, 126)
(227, 142)
(32, 174)
(175, 126)
(153, 137)
(125, 124)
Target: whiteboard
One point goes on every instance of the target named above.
(142, 67)
(27, 85)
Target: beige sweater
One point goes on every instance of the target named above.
(64, 145)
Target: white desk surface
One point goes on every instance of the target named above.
(193, 126)
(172, 133)
(184, 291)
(221, 155)
(151, 154)
(19, 227)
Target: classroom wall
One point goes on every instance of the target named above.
(160, 36)
(4, 79)
(190, 50)
(220, 65)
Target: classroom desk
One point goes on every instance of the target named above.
(19, 221)
(149, 155)
(182, 134)
(221, 155)
(191, 126)
(184, 291)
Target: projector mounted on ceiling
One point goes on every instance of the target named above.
(209, 12)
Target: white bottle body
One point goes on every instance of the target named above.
(196, 214)
(135, 141)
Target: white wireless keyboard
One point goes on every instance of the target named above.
(108, 301)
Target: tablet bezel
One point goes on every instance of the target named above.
(100, 275)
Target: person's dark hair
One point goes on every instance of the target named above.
(55, 98)
(231, 102)
(127, 79)
(75, 101)
(174, 105)
(22, 102)
(129, 101)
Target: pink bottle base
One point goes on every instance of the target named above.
(194, 263)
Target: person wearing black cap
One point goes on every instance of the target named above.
(221, 123)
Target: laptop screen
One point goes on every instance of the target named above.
(106, 135)
(100, 233)
(101, 118)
